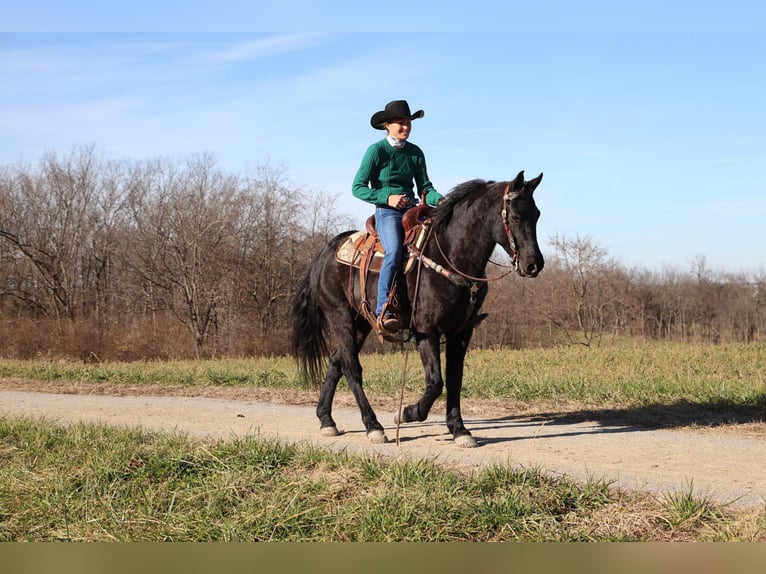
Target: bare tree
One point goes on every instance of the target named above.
(53, 219)
(593, 294)
(183, 236)
(281, 219)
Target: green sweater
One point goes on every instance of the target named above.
(386, 170)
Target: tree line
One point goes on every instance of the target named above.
(585, 297)
(159, 259)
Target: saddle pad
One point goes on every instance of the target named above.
(353, 249)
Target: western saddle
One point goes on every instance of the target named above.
(362, 250)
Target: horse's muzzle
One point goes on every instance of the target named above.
(531, 267)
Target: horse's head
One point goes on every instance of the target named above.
(520, 215)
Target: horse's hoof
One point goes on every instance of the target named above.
(377, 436)
(466, 441)
(403, 417)
(329, 431)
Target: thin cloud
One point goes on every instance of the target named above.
(263, 47)
(744, 160)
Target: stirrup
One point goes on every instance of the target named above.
(391, 329)
(389, 323)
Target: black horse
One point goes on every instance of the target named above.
(444, 302)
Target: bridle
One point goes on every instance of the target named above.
(506, 215)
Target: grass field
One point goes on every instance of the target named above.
(87, 482)
(663, 383)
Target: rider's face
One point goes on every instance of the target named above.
(400, 129)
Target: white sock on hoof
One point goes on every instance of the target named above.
(329, 431)
(377, 436)
(466, 441)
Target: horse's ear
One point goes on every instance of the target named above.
(533, 183)
(518, 183)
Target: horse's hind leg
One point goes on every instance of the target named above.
(345, 361)
(352, 368)
(327, 425)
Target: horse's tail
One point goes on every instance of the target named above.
(309, 335)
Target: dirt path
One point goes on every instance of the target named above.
(723, 466)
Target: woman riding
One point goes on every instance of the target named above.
(385, 178)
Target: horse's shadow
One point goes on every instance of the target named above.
(681, 414)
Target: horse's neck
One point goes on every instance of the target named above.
(467, 243)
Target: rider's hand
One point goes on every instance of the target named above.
(398, 201)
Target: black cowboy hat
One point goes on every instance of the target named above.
(396, 110)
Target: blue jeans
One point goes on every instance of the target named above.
(388, 223)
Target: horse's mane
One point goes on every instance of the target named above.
(443, 213)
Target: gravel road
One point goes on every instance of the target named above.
(726, 467)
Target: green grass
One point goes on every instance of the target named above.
(95, 483)
(683, 508)
(277, 372)
(632, 372)
(659, 383)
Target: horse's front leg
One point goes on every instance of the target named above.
(428, 348)
(455, 351)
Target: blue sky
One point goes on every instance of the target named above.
(651, 131)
